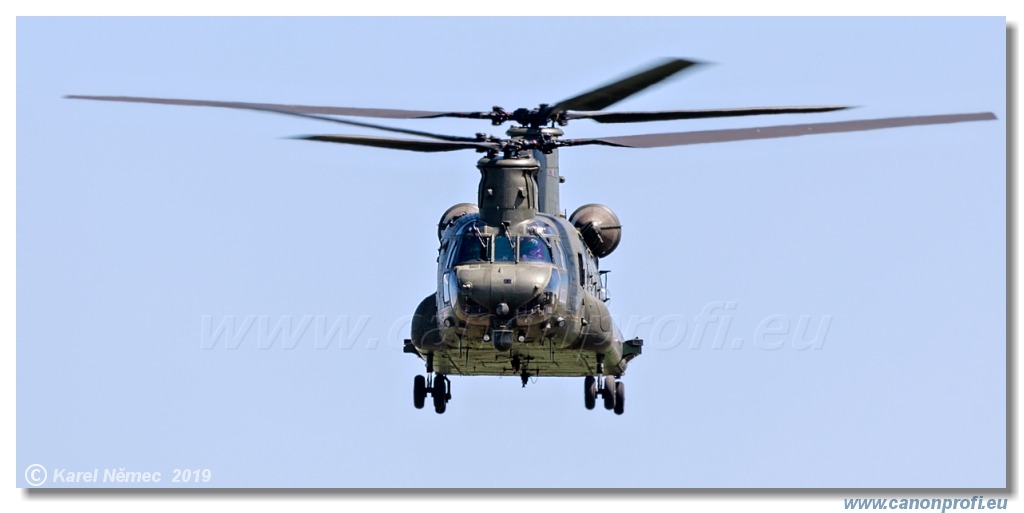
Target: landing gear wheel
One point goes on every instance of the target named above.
(609, 392)
(440, 394)
(419, 392)
(620, 398)
(589, 392)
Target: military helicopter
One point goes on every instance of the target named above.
(520, 291)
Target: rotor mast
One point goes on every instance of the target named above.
(548, 178)
(507, 193)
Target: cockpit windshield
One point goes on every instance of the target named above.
(534, 249)
(472, 248)
(477, 248)
(504, 249)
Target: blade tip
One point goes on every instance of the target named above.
(687, 62)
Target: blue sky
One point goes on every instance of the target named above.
(885, 249)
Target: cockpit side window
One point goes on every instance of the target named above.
(534, 249)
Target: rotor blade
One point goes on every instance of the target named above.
(421, 133)
(605, 96)
(771, 132)
(401, 144)
(308, 109)
(665, 115)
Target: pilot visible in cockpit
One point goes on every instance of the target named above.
(533, 249)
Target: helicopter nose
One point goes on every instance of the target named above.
(503, 288)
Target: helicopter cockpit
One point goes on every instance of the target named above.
(514, 272)
(473, 245)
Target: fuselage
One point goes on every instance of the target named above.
(518, 291)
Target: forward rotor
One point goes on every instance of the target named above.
(587, 105)
(546, 144)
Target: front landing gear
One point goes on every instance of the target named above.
(437, 387)
(608, 392)
(611, 391)
(620, 398)
(440, 393)
(419, 392)
(589, 392)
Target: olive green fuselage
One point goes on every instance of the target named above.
(518, 290)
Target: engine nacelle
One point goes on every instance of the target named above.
(454, 212)
(600, 228)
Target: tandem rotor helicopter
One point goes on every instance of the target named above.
(519, 287)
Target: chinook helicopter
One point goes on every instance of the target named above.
(520, 291)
